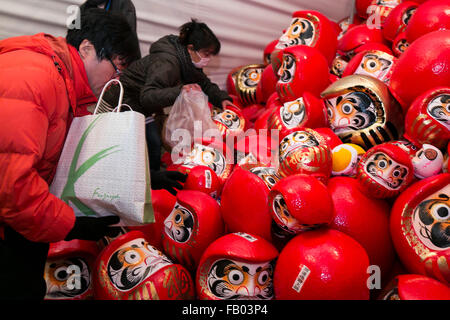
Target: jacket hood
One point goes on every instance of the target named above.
(164, 45)
(64, 57)
(40, 43)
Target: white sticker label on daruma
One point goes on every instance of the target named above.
(208, 179)
(246, 236)
(301, 278)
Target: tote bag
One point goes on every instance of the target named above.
(104, 168)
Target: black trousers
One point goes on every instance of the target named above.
(22, 264)
(153, 145)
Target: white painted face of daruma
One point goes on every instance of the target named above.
(350, 112)
(439, 109)
(431, 220)
(267, 174)
(287, 70)
(285, 220)
(179, 224)
(229, 119)
(232, 279)
(387, 3)
(301, 31)
(206, 156)
(427, 162)
(296, 140)
(376, 65)
(292, 113)
(251, 77)
(60, 281)
(386, 171)
(134, 262)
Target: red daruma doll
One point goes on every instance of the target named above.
(415, 287)
(379, 10)
(299, 203)
(322, 264)
(243, 81)
(420, 227)
(356, 37)
(309, 28)
(362, 111)
(427, 162)
(398, 19)
(129, 268)
(400, 44)
(268, 51)
(237, 266)
(422, 67)
(193, 224)
(306, 111)
(430, 16)
(244, 200)
(211, 153)
(428, 119)
(385, 171)
(304, 151)
(230, 121)
(204, 179)
(365, 219)
(373, 63)
(68, 270)
(303, 69)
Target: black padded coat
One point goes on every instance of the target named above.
(155, 81)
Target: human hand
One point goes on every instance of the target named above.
(192, 87)
(168, 180)
(94, 228)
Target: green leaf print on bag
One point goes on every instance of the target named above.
(74, 174)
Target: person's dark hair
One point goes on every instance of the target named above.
(199, 35)
(110, 34)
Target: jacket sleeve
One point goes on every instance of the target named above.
(212, 90)
(162, 85)
(129, 11)
(26, 204)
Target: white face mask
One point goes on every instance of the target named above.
(202, 63)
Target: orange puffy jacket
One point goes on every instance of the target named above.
(43, 84)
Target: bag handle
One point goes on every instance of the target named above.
(117, 109)
(119, 103)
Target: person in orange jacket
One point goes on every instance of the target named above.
(44, 82)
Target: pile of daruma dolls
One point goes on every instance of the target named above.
(338, 188)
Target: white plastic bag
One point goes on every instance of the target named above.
(190, 116)
(103, 169)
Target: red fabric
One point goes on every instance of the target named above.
(84, 94)
(41, 78)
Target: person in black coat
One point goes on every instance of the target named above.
(174, 62)
(124, 7)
